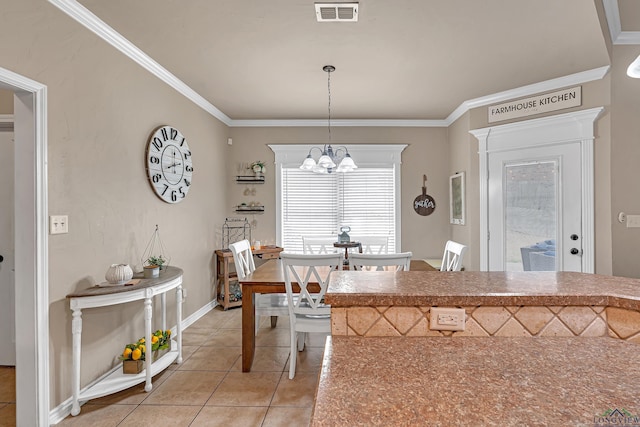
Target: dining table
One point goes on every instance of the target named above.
(269, 278)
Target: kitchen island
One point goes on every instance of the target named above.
(538, 348)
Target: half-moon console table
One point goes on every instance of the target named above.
(97, 296)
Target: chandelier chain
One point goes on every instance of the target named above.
(329, 104)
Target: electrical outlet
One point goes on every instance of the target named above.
(58, 224)
(447, 319)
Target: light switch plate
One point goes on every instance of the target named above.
(58, 224)
(633, 221)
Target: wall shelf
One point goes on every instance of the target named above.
(249, 209)
(249, 179)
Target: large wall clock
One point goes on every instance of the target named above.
(169, 164)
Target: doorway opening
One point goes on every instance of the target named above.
(553, 157)
(30, 248)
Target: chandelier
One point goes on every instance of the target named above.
(338, 160)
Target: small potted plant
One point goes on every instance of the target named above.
(153, 265)
(258, 168)
(135, 354)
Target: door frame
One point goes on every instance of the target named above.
(577, 126)
(31, 248)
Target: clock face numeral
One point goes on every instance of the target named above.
(169, 164)
(157, 143)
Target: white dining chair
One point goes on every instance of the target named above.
(319, 244)
(377, 262)
(273, 305)
(453, 255)
(307, 311)
(373, 244)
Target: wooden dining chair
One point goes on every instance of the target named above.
(273, 305)
(377, 262)
(307, 311)
(453, 255)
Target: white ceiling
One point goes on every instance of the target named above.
(403, 59)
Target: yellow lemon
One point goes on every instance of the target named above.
(154, 339)
(141, 340)
(168, 332)
(142, 348)
(136, 354)
(126, 353)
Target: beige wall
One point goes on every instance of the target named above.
(427, 153)
(625, 160)
(6, 101)
(464, 158)
(102, 108)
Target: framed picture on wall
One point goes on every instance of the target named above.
(456, 198)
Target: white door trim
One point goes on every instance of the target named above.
(31, 249)
(577, 126)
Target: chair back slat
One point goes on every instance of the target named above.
(242, 258)
(304, 269)
(319, 245)
(378, 262)
(453, 255)
(376, 245)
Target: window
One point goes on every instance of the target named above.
(367, 199)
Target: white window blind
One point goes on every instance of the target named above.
(318, 205)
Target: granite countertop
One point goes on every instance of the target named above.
(467, 288)
(389, 381)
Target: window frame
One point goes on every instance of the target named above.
(365, 155)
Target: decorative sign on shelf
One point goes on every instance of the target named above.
(424, 204)
(565, 98)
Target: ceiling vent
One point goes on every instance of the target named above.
(337, 12)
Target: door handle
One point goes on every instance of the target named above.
(574, 251)
(574, 237)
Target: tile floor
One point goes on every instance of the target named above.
(209, 387)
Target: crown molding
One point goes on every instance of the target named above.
(339, 123)
(612, 13)
(90, 21)
(532, 89)
(86, 18)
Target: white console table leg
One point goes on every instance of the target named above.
(148, 314)
(179, 322)
(76, 332)
(163, 303)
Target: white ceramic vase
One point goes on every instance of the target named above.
(119, 274)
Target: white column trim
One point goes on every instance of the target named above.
(32, 257)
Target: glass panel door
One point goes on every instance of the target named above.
(531, 193)
(535, 209)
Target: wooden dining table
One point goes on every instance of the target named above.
(269, 279)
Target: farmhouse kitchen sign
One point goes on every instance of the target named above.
(565, 98)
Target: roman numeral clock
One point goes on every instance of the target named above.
(169, 164)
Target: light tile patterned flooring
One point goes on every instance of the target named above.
(209, 387)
